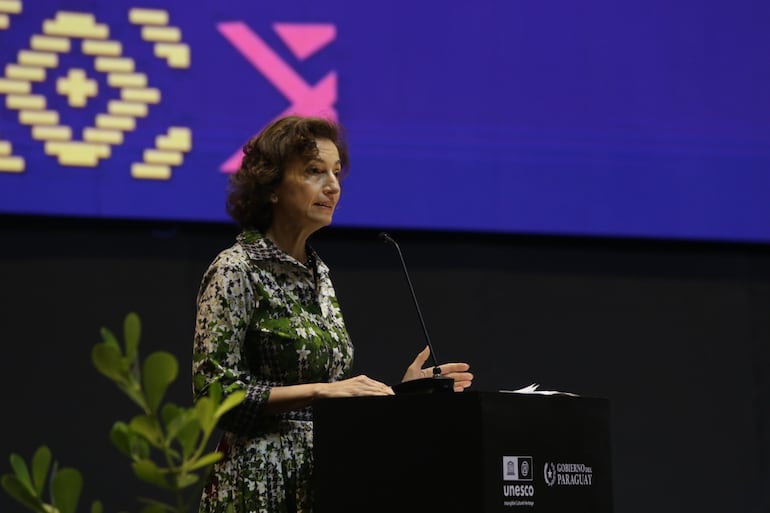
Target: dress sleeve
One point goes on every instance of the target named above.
(226, 303)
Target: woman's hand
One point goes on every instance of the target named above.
(358, 386)
(457, 371)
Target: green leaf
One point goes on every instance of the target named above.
(41, 464)
(169, 413)
(157, 508)
(108, 360)
(21, 471)
(230, 402)
(148, 471)
(215, 392)
(133, 390)
(121, 437)
(21, 493)
(160, 370)
(109, 339)
(140, 449)
(129, 442)
(185, 480)
(96, 507)
(147, 427)
(204, 408)
(205, 460)
(183, 418)
(132, 329)
(66, 486)
(188, 436)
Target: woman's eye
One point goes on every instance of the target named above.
(320, 171)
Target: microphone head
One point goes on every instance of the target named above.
(384, 237)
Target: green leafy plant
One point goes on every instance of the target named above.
(27, 487)
(166, 443)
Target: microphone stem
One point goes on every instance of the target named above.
(414, 298)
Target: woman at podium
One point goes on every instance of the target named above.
(268, 322)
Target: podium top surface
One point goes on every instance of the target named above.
(469, 398)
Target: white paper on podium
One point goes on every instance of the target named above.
(534, 388)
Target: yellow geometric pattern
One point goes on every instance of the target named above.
(168, 151)
(167, 39)
(57, 37)
(8, 162)
(50, 44)
(75, 24)
(77, 87)
(8, 7)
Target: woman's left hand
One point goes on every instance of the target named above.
(457, 371)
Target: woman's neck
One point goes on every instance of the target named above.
(291, 242)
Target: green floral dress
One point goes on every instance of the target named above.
(264, 320)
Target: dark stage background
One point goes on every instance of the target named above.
(675, 334)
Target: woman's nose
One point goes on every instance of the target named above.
(332, 185)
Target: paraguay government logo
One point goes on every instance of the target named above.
(568, 474)
(549, 474)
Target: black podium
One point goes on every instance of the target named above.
(470, 452)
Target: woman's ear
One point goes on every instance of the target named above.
(273, 198)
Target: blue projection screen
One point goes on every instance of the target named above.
(596, 118)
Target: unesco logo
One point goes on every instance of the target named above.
(517, 468)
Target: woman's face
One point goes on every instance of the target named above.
(306, 198)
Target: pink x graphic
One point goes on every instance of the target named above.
(305, 100)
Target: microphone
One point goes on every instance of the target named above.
(437, 383)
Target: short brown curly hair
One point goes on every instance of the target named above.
(265, 158)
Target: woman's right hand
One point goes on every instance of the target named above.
(354, 387)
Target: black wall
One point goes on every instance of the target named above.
(676, 335)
